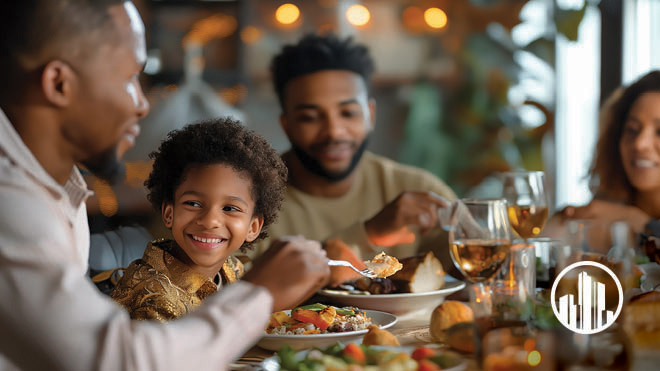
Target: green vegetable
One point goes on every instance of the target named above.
(316, 306)
(287, 358)
(344, 312)
(319, 307)
(443, 361)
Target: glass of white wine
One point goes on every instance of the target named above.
(525, 194)
(479, 238)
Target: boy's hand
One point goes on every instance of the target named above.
(292, 269)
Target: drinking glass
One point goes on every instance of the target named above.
(479, 238)
(527, 207)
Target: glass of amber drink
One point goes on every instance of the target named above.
(479, 238)
(527, 202)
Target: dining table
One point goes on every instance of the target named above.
(411, 330)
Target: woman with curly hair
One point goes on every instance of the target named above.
(218, 186)
(625, 175)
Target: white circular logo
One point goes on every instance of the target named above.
(588, 315)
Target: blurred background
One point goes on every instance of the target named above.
(464, 88)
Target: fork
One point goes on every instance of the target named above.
(365, 272)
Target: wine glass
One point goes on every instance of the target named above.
(479, 238)
(527, 208)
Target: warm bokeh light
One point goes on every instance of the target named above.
(534, 358)
(234, 95)
(287, 13)
(107, 198)
(216, 26)
(358, 15)
(435, 17)
(250, 34)
(413, 18)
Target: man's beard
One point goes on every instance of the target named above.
(106, 166)
(312, 165)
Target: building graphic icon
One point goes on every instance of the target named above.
(588, 315)
(590, 304)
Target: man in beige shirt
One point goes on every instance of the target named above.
(71, 94)
(336, 188)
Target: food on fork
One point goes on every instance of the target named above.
(383, 265)
(420, 273)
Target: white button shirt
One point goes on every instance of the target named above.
(51, 315)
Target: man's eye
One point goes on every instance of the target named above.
(306, 118)
(351, 114)
(192, 203)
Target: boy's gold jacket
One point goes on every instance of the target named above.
(162, 287)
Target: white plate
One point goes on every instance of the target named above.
(395, 303)
(297, 342)
(273, 363)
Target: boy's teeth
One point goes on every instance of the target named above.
(206, 240)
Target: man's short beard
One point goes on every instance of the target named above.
(312, 165)
(106, 166)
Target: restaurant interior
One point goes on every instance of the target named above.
(491, 96)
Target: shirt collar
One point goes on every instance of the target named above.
(12, 146)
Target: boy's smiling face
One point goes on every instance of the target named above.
(211, 215)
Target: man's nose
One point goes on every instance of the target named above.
(335, 127)
(143, 105)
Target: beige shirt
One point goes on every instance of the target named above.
(53, 317)
(378, 181)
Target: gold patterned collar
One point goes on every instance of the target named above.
(159, 254)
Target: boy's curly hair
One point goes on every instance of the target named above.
(220, 141)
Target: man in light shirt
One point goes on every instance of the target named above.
(70, 94)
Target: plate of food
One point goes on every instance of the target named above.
(319, 325)
(353, 356)
(420, 285)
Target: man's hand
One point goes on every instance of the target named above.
(609, 212)
(338, 250)
(292, 269)
(391, 225)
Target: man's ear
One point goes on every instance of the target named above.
(372, 112)
(57, 83)
(167, 211)
(256, 224)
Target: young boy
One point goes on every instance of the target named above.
(218, 186)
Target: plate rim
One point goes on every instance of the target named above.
(459, 285)
(392, 321)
